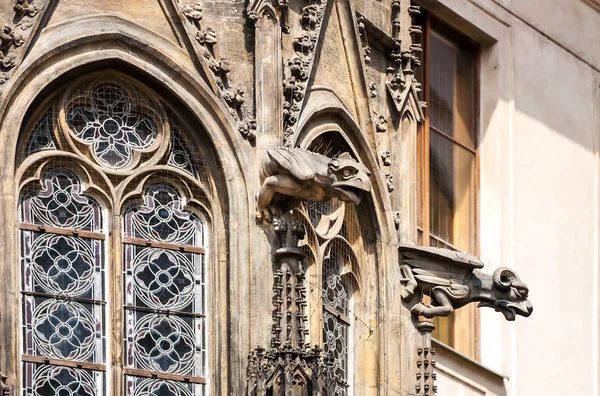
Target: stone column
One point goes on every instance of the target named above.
(290, 367)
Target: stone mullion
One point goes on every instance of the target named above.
(116, 300)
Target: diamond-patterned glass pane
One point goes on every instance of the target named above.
(42, 137)
(164, 279)
(63, 265)
(62, 329)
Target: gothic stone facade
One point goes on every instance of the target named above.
(218, 197)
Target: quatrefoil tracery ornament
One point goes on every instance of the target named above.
(116, 123)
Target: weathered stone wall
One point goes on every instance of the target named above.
(232, 70)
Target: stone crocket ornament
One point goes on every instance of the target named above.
(455, 279)
(289, 176)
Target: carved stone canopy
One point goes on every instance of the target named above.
(453, 280)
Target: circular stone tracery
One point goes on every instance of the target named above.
(117, 121)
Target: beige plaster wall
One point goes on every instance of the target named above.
(539, 186)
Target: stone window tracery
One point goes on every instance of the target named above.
(333, 229)
(108, 163)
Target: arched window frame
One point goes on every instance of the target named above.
(328, 225)
(199, 194)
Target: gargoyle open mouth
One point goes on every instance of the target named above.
(352, 190)
(349, 193)
(510, 310)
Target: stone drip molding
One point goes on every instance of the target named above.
(15, 36)
(220, 67)
(297, 70)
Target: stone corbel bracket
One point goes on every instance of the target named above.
(17, 37)
(453, 280)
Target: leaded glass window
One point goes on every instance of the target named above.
(335, 320)
(109, 121)
(63, 279)
(164, 276)
(335, 235)
(111, 178)
(42, 137)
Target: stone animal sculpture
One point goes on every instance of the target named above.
(288, 176)
(454, 279)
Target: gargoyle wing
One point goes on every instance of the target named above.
(297, 165)
(452, 287)
(425, 276)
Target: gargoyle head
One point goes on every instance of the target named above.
(349, 178)
(507, 294)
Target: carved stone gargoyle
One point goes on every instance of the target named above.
(288, 176)
(454, 279)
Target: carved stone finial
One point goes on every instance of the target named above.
(289, 176)
(406, 55)
(426, 269)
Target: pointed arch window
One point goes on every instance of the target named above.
(164, 278)
(113, 245)
(63, 287)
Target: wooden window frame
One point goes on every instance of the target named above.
(425, 236)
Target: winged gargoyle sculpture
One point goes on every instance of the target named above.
(289, 176)
(455, 279)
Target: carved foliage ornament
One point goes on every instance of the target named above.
(297, 70)
(220, 66)
(12, 36)
(454, 279)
